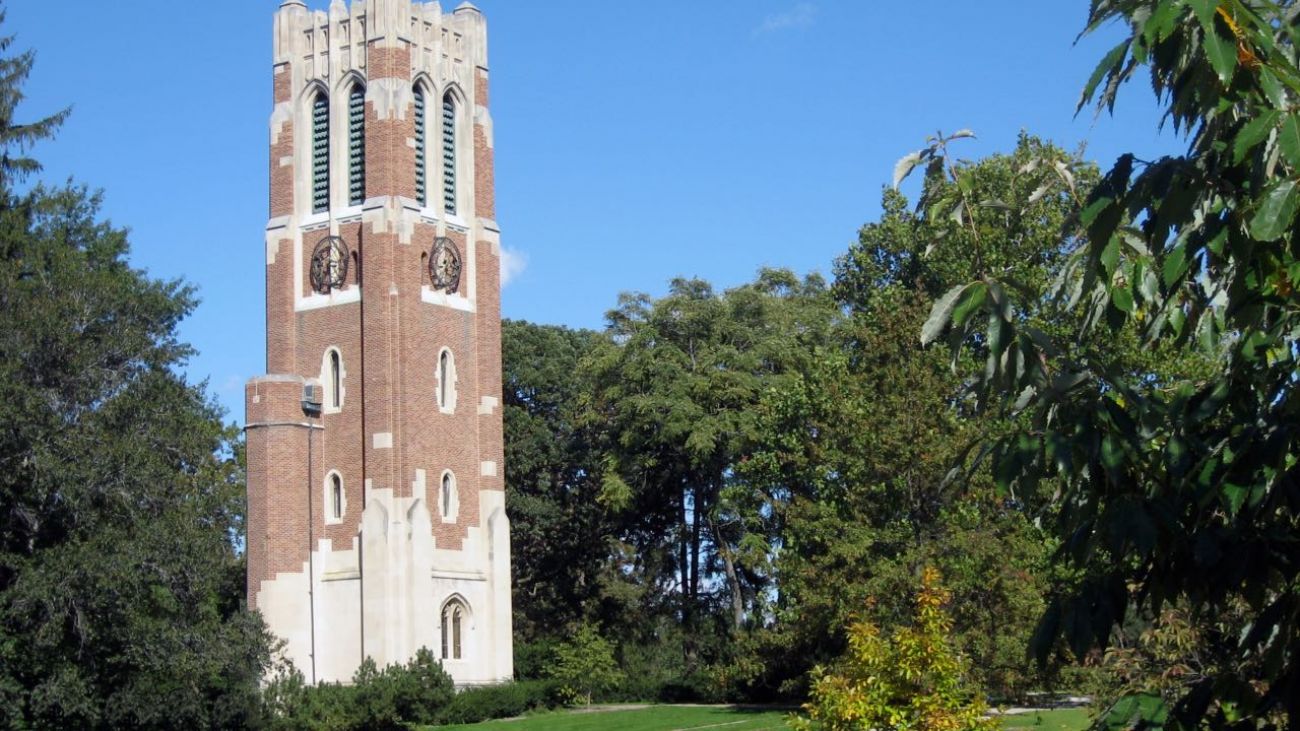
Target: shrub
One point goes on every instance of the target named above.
(912, 680)
(401, 694)
(387, 699)
(649, 668)
(292, 705)
(532, 659)
(474, 705)
(585, 665)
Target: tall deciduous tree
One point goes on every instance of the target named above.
(1173, 487)
(857, 452)
(119, 487)
(564, 543)
(677, 385)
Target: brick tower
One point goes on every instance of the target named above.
(376, 506)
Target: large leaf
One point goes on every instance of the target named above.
(1221, 51)
(905, 166)
(1109, 65)
(972, 299)
(941, 314)
(1253, 133)
(1162, 21)
(1123, 299)
(1175, 265)
(1110, 255)
(1204, 10)
(1273, 88)
(1276, 212)
(1289, 140)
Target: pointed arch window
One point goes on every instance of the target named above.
(421, 189)
(454, 618)
(336, 379)
(444, 377)
(449, 153)
(320, 153)
(356, 146)
(446, 382)
(336, 497)
(332, 374)
(449, 499)
(335, 504)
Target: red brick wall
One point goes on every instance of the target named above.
(277, 524)
(338, 446)
(431, 440)
(390, 161)
(281, 324)
(491, 438)
(391, 379)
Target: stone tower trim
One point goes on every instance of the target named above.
(372, 581)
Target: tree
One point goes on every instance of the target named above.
(910, 681)
(676, 387)
(17, 138)
(585, 665)
(562, 538)
(119, 486)
(856, 452)
(1173, 487)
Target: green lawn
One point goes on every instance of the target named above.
(1065, 719)
(685, 718)
(658, 718)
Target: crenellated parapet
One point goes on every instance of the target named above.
(384, 48)
(326, 45)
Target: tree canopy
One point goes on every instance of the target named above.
(1172, 487)
(120, 489)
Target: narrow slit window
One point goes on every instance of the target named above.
(336, 497)
(421, 190)
(336, 380)
(449, 154)
(356, 147)
(446, 496)
(444, 378)
(446, 637)
(320, 154)
(456, 619)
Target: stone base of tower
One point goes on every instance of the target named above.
(342, 615)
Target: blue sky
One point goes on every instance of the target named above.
(635, 142)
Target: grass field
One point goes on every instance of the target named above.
(688, 718)
(656, 718)
(1065, 719)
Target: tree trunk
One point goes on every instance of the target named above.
(695, 546)
(683, 557)
(733, 581)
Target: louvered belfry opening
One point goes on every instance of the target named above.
(357, 146)
(320, 154)
(449, 154)
(421, 190)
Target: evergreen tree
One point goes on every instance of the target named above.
(15, 138)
